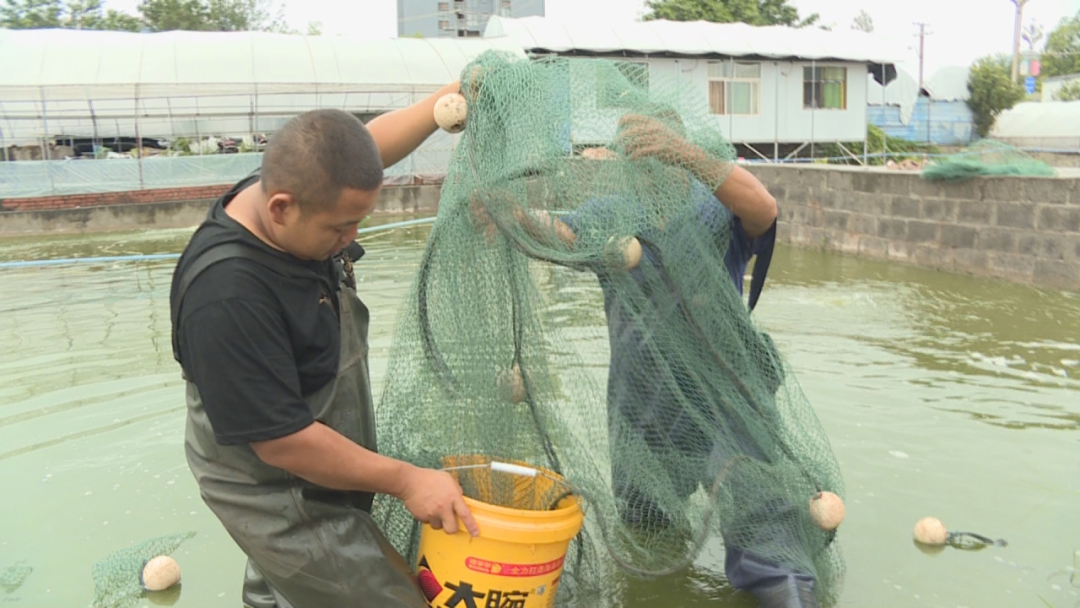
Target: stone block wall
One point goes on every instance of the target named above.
(1016, 228)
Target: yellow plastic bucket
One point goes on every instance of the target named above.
(517, 560)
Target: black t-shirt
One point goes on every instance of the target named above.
(255, 340)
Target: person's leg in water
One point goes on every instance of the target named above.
(627, 389)
(632, 425)
(652, 409)
(760, 550)
(694, 442)
(761, 540)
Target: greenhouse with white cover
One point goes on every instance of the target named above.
(1052, 126)
(125, 111)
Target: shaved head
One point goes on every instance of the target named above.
(317, 155)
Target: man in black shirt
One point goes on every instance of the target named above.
(272, 340)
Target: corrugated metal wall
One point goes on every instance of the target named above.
(942, 123)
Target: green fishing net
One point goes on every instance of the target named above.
(14, 576)
(987, 158)
(573, 312)
(117, 576)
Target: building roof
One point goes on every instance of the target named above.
(691, 39)
(948, 84)
(902, 92)
(82, 64)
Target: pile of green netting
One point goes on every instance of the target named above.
(503, 349)
(117, 577)
(987, 158)
(14, 576)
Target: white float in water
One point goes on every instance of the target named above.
(160, 573)
(930, 531)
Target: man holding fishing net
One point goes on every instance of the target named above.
(693, 387)
(272, 339)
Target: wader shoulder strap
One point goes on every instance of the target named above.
(761, 264)
(214, 255)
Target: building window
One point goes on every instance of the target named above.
(444, 7)
(444, 24)
(825, 88)
(735, 88)
(611, 89)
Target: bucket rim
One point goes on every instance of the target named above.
(575, 507)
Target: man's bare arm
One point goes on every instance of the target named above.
(539, 224)
(327, 458)
(400, 132)
(739, 190)
(743, 194)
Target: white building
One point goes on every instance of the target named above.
(769, 88)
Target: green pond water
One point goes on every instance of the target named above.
(942, 395)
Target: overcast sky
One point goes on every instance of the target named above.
(960, 30)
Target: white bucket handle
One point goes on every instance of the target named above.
(513, 469)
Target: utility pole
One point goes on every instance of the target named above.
(1016, 37)
(922, 49)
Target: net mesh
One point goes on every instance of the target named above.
(117, 576)
(663, 406)
(987, 158)
(14, 576)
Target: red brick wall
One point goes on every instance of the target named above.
(73, 201)
(113, 198)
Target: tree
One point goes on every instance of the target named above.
(157, 15)
(863, 22)
(119, 22)
(314, 28)
(75, 14)
(214, 15)
(753, 12)
(1062, 56)
(246, 15)
(31, 14)
(167, 15)
(89, 15)
(1068, 92)
(992, 91)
